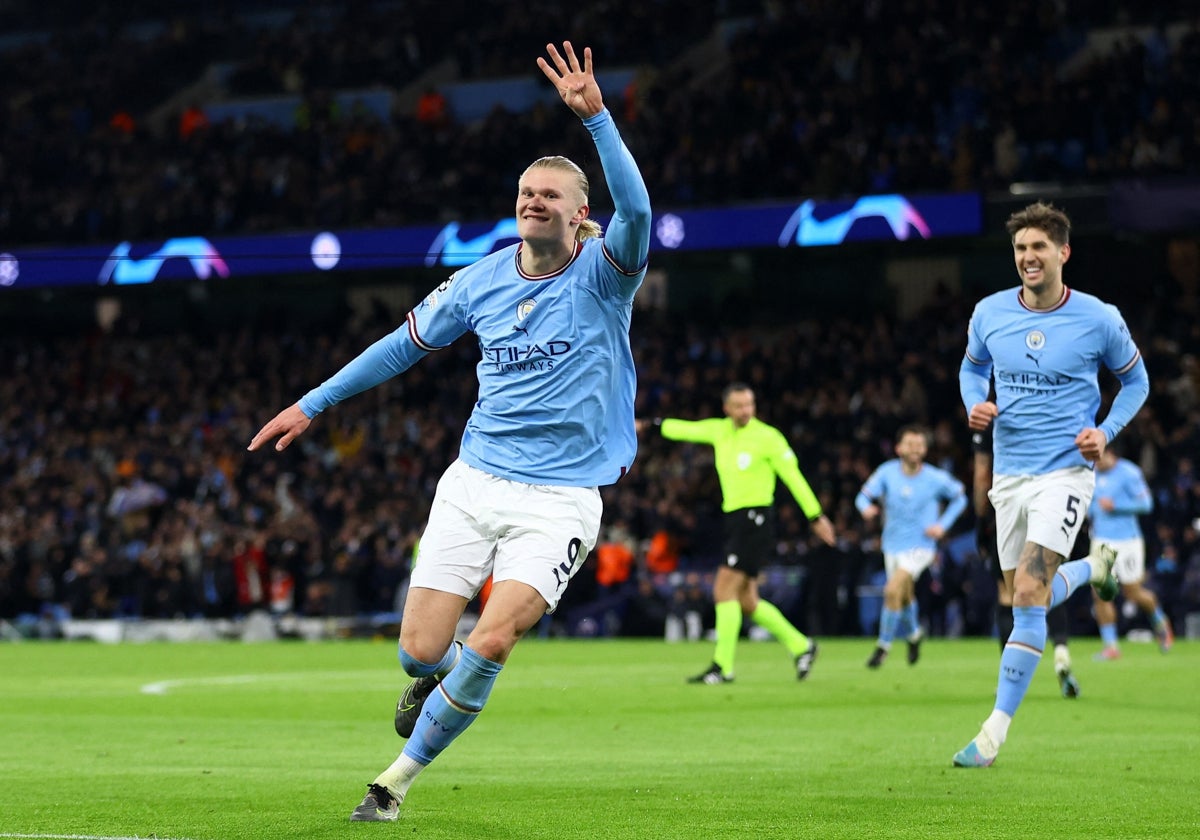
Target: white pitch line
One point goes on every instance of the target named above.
(82, 837)
(163, 686)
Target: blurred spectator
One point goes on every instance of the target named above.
(646, 611)
(662, 556)
(614, 557)
(431, 108)
(192, 119)
(690, 609)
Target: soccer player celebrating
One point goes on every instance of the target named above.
(749, 455)
(553, 421)
(1121, 496)
(920, 502)
(1045, 343)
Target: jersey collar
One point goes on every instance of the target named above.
(1062, 301)
(555, 273)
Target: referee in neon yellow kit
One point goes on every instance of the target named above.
(749, 455)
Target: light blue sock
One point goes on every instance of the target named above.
(416, 668)
(453, 706)
(1020, 658)
(1070, 576)
(1108, 635)
(1159, 617)
(888, 620)
(912, 620)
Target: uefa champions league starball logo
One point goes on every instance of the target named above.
(670, 231)
(10, 269)
(1035, 340)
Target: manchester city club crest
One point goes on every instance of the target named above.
(1035, 340)
(524, 308)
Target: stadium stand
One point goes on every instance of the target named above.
(124, 489)
(311, 109)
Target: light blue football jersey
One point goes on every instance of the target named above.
(1127, 488)
(911, 503)
(1045, 364)
(556, 373)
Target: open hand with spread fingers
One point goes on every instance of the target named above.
(575, 84)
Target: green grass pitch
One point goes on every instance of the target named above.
(593, 739)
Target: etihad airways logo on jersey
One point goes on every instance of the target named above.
(516, 358)
(1035, 379)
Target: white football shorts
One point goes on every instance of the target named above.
(481, 524)
(1047, 510)
(914, 561)
(1131, 559)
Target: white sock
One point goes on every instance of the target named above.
(996, 726)
(1099, 569)
(400, 776)
(441, 675)
(1062, 659)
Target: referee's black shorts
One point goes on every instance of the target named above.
(749, 533)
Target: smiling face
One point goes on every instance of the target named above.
(1039, 263)
(550, 205)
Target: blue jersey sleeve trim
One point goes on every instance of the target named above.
(634, 272)
(1128, 366)
(974, 381)
(416, 337)
(1135, 387)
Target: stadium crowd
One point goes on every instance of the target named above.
(932, 95)
(125, 488)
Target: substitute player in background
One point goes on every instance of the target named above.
(1045, 344)
(554, 420)
(919, 503)
(1057, 621)
(750, 455)
(1121, 496)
